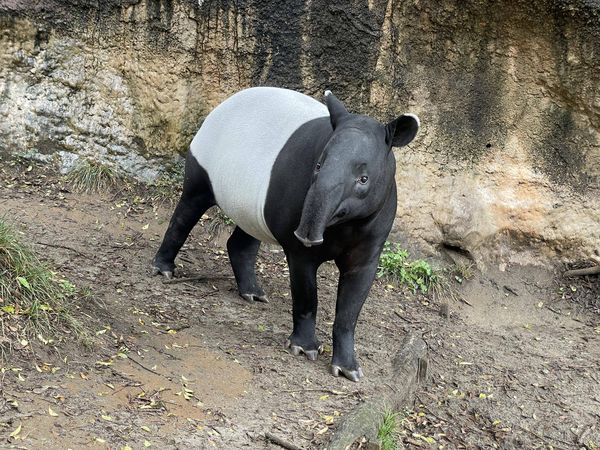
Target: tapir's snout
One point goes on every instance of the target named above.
(308, 242)
(322, 199)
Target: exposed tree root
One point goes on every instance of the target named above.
(281, 442)
(408, 369)
(582, 272)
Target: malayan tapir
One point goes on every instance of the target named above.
(313, 178)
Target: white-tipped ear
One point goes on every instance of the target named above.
(414, 116)
(401, 131)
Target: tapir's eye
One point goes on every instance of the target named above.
(363, 179)
(318, 167)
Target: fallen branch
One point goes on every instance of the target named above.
(144, 367)
(582, 272)
(401, 317)
(64, 247)
(197, 278)
(282, 443)
(511, 290)
(408, 369)
(465, 301)
(329, 391)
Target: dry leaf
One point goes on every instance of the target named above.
(328, 419)
(104, 363)
(15, 433)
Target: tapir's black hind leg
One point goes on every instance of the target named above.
(196, 198)
(242, 249)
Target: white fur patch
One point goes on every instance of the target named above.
(328, 93)
(237, 146)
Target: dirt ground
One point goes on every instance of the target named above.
(516, 364)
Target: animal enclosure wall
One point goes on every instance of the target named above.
(506, 168)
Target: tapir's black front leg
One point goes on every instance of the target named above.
(355, 282)
(303, 280)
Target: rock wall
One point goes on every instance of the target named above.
(506, 169)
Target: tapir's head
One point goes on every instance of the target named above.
(354, 173)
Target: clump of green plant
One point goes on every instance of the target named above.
(92, 176)
(218, 222)
(394, 265)
(463, 271)
(387, 432)
(34, 301)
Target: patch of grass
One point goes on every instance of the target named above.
(387, 432)
(218, 222)
(448, 279)
(92, 176)
(463, 271)
(394, 265)
(444, 288)
(35, 302)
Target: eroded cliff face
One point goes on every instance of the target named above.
(506, 168)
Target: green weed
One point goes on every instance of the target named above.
(388, 430)
(34, 301)
(394, 264)
(218, 222)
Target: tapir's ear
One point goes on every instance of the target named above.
(337, 110)
(401, 131)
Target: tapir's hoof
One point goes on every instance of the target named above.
(255, 298)
(160, 267)
(168, 274)
(352, 375)
(296, 350)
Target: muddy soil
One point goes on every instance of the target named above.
(190, 364)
